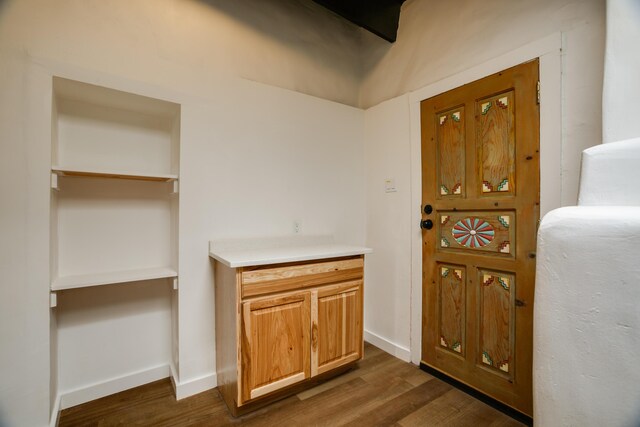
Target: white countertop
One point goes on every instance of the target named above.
(248, 252)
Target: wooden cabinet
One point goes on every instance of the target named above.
(336, 330)
(283, 325)
(275, 343)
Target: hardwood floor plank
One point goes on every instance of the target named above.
(410, 373)
(439, 411)
(401, 406)
(377, 361)
(381, 390)
(478, 414)
(378, 396)
(298, 412)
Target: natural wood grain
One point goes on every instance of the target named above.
(451, 152)
(402, 405)
(381, 384)
(453, 308)
(268, 280)
(496, 320)
(339, 325)
(501, 142)
(226, 282)
(495, 141)
(310, 327)
(455, 408)
(268, 274)
(376, 359)
(279, 344)
(281, 383)
(314, 332)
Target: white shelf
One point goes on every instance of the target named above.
(115, 161)
(86, 280)
(112, 174)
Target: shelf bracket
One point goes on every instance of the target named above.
(175, 283)
(53, 299)
(54, 182)
(175, 187)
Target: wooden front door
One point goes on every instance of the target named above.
(480, 175)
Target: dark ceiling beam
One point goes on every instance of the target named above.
(378, 16)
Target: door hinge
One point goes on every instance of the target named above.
(538, 92)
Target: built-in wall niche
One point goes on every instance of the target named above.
(114, 240)
(113, 230)
(115, 170)
(109, 338)
(104, 131)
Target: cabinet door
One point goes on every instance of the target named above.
(275, 343)
(336, 331)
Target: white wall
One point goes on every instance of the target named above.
(24, 260)
(108, 332)
(620, 108)
(293, 44)
(254, 157)
(436, 41)
(388, 268)
(250, 166)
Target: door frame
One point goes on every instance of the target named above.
(548, 50)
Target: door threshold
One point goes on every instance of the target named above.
(496, 404)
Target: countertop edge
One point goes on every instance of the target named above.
(291, 258)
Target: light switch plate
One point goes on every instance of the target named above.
(390, 185)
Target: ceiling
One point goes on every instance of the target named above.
(378, 16)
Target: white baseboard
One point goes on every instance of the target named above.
(195, 386)
(55, 412)
(175, 379)
(392, 348)
(105, 388)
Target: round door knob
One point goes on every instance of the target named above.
(428, 209)
(426, 224)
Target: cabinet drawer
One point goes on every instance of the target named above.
(269, 279)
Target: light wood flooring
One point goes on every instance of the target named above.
(381, 391)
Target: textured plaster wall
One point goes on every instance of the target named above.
(620, 107)
(586, 317)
